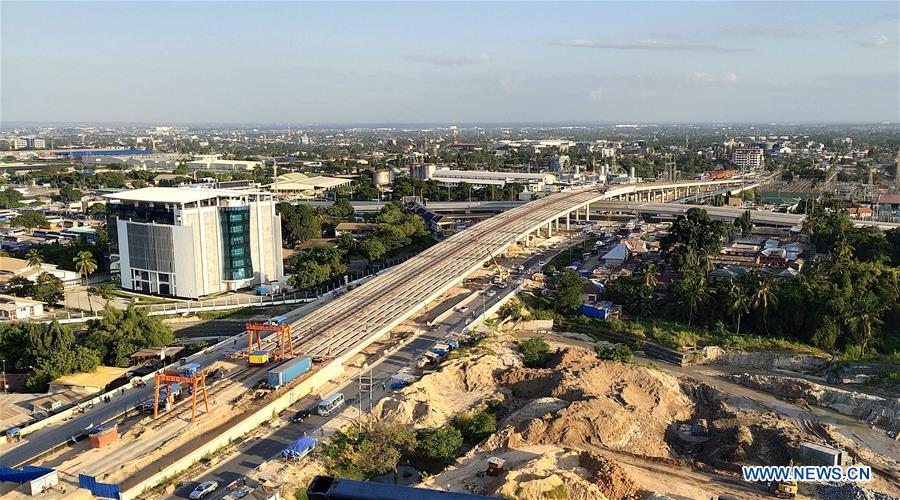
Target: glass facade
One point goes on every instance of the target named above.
(237, 264)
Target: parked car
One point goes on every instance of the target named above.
(300, 416)
(462, 309)
(203, 489)
(490, 293)
(502, 285)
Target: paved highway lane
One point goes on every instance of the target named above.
(270, 446)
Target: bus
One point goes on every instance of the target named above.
(329, 404)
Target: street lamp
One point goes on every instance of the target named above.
(5, 385)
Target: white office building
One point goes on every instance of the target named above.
(747, 158)
(217, 165)
(192, 242)
(533, 182)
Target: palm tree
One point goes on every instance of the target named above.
(843, 249)
(85, 264)
(763, 296)
(863, 318)
(738, 302)
(34, 258)
(697, 294)
(650, 276)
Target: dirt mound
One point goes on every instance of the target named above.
(848, 491)
(570, 475)
(437, 397)
(611, 404)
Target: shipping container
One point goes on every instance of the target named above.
(817, 454)
(189, 370)
(104, 436)
(259, 357)
(289, 371)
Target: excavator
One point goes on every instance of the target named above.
(783, 489)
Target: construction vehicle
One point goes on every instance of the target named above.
(783, 489)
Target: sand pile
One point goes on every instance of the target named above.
(570, 475)
(611, 405)
(437, 397)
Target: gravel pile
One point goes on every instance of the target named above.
(849, 491)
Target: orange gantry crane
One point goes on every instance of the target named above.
(256, 329)
(188, 374)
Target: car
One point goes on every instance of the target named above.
(542, 263)
(462, 309)
(502, 286)
(490, 293)
(300, 416)
(203, 489)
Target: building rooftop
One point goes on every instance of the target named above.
(175, 194)
(100, 377)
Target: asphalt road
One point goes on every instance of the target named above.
(270, 446)
(37, 442)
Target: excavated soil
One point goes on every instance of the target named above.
(612, 405)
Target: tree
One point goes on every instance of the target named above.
(650, 276)
(744, 223)
(104, 291)
(118, 334)
(85, 265)
(534, 352)
(48, 288)
(569, 285)
(19, 286)
(29, 219)
(863, 317)
(68, 195)
(341, 209)
(96, 210)
(476, 427)
(762, 296)
(439, 445)
(738, 303)
(34, 258)
(690, 292)
(693, 235)
(383, 446)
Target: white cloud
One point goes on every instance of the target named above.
(449, 59)
(648, 44)
(598, 94)
(876, 41)
(705, 77)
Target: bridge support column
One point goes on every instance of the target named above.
(549, 229)
(568, 221)
(587, 212)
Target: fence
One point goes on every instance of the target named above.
(98, 489)
(241, 301)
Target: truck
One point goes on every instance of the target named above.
(401, 380)
(452, 341)
(278, 321)
(441, 349)
(428, 358)
(299, 448)
(189, 370)
(288, 371)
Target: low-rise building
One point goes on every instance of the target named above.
(88, 383)
(533, 182)
(218, 165)
(19, 308)
(355, 229)
(11, 267)
(297, 185)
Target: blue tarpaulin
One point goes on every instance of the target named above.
(299, 448)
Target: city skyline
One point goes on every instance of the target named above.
(430, 63)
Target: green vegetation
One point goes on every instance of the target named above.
(557, 492)
(438, 447)
(839, 304)
(45, 288)
(568, 287)
(615, 353)
(51, 350)
(535, 352)
(477, 426)
(363, 454)
(395, 233)
(29, 219)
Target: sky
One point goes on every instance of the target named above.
(432, 62)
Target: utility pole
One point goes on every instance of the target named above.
(5, 385)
